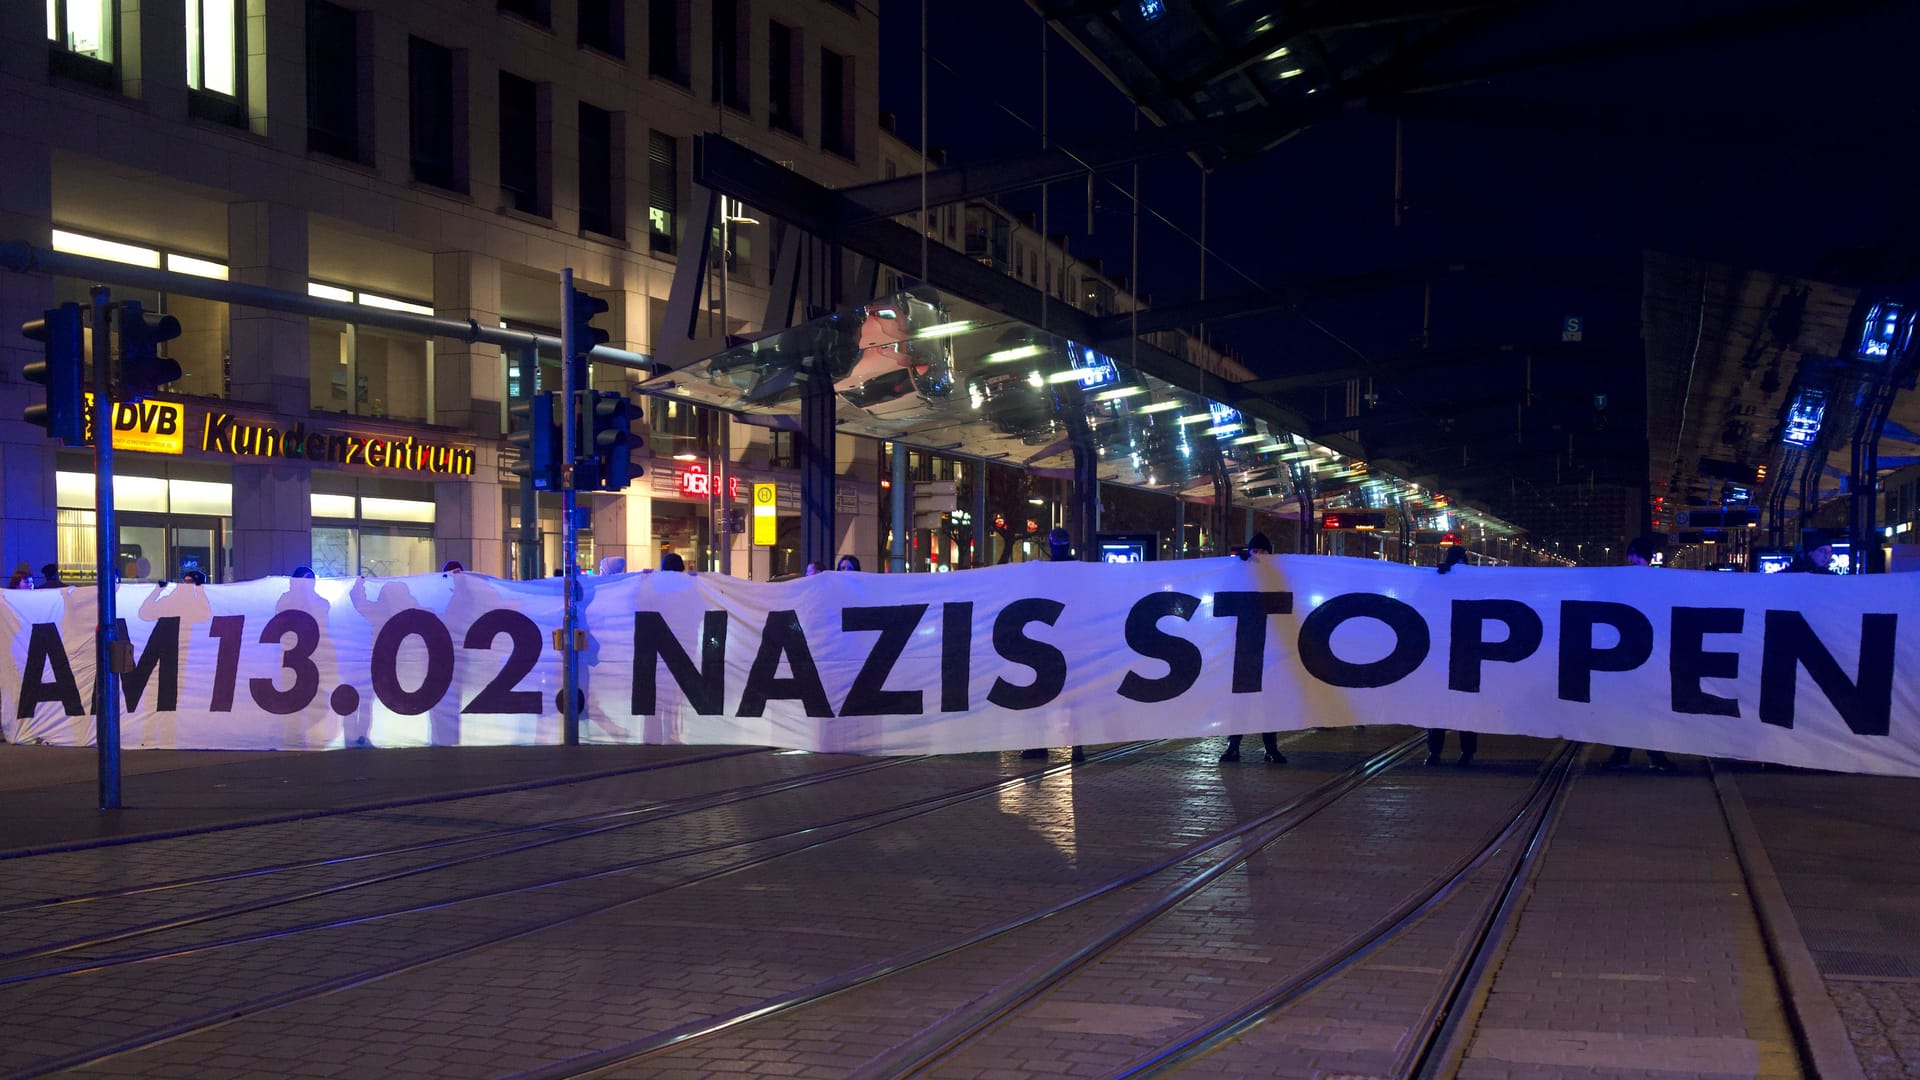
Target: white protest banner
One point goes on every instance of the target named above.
(1806, 670)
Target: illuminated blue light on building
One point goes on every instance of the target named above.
(1096, 368)
(1885, 332)
(1803, 418)
(1152, 9)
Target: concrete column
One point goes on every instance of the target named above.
(272, 511)
(267, 245)
(26, 454)
(153, 57)
(623, 526)
(469, 381)
(272, 519)
(469, 523)
(276, 66)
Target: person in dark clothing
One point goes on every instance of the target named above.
(673, 562)
(1816, 555)
(1437, 737)
(1059, 549)
(1258, 546)
(1639, 553)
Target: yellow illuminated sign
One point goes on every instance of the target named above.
(154, 427)
(766, 516)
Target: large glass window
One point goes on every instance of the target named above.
(599, 172)
(203, 349)
(372, 536)
(435, 115)
(333, 80)
(603, 26)
(363, 371)
(663, 156)
(667, 40)
(731, 59)
(786, 74)
(81, 33)
(836, 103)
(213, 46)
(521, 155)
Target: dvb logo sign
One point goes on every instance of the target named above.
(154, 427)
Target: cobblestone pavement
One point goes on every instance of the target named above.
(1847, 852)
(1638, 954)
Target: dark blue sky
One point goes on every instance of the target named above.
(1771, 150)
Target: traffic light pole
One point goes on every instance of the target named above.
(106, 680)
(570, 528)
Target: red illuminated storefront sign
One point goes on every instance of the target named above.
(695, 483)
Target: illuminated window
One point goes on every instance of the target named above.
(213, 46)
(366, 371)
(81, 33)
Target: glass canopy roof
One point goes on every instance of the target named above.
(931, 370)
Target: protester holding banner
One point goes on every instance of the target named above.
(1437, 737)
(1258, 547)
(1639, 553)
(1059, 549)
(1816, 553)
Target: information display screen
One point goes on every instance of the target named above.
(1128, 547)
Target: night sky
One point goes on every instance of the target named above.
(1772, 151)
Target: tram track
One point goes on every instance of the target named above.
(584, 828)
(837, 830)
(959, 1029)
(1249, 835)
(446, 797)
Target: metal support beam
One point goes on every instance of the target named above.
(1084, 516)
(730, 168)
(815, 445)
(680, 338)
(982, 553)
(784, 290)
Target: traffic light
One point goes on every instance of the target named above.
(143, 371)
(582, 308)
(605, 420)
(537, 435)
(63, 374)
